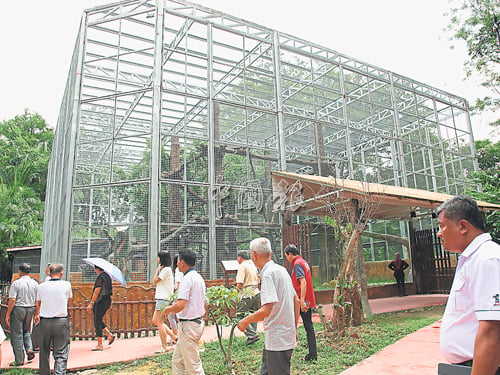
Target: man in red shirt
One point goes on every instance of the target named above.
(303, 285)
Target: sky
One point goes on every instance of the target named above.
(404, 36)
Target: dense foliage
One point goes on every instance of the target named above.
(477, 23)
(488, 175)
(25, 147)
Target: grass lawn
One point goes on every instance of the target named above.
(334, 356)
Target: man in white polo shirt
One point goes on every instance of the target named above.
(470, 330)
(52, 302)
(279, 310)
(190, 308)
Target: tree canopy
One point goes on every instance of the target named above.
(477, 23)
(25, 147)
(488, 175)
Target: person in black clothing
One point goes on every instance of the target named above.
(100, 302)
(398, 265)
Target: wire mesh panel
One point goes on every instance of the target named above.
(174, 115)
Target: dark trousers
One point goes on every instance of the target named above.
(276, 362)
(400, 281)
(99, 309)
(311, 335)
(20, 331)
(54, 331)
(250, 304)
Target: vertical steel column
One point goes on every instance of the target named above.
(279, 101)
(443, 155)
(154, 188)
(89, 220)
(428, 147)
(62, 249)
(348, 145)
(431, 160)
(471, 138)
(279, 114)
(402, 178)
(212, 233)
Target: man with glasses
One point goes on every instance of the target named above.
(470, 330)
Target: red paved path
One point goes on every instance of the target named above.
(417, 353)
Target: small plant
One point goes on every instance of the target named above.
(222, 310)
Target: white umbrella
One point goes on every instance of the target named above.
(113, 271)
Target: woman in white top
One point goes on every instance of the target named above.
(164, 282)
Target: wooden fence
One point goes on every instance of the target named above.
(130, 314)
(127, 318)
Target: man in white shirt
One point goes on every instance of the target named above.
(52, 302)
(248, 277)
(279, 310)
(20, 311)
(190, 308)
(470, 330)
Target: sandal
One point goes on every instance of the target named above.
(161, 350)
(97, 349)
(111, 339)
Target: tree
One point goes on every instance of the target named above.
(488, 175)
(477, 22)
(348, 218)
(25, 147)
(222, 306)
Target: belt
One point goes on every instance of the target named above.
(196, 320)
(55, 317)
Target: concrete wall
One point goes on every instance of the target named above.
(378, 271)
(325, 296)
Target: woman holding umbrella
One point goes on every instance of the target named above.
(100, 302)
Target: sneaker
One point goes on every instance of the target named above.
(30, 355)
(161, 351)
(15, 364)
(310, 357)
(252, 340)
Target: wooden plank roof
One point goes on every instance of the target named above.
(310, 195)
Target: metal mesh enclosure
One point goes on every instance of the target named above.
(174, 114)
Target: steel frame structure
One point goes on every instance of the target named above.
(174, 113)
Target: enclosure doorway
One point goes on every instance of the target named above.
(433, 267)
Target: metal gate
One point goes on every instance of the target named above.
(432, 267)
(300, 235)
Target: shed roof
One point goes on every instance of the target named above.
(310, 195)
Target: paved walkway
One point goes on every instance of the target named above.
(422, 362)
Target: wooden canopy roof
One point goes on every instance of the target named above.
(311, 195)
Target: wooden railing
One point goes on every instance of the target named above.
(126, 318)
(129, 316)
